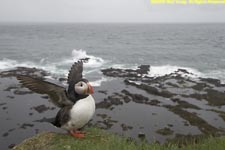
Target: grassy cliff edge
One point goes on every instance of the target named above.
(97, 139)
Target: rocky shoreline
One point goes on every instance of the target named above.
(132, 104)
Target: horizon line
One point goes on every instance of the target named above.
(70, 22)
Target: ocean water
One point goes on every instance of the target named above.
(199, 48)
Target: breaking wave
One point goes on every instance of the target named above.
(93, 62)
(156, 71)
(59, 67)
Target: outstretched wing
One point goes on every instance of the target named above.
(56, 93)
(75, 75)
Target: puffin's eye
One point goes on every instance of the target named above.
(81, 84)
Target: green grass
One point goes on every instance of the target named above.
(97, 139)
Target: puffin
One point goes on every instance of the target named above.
(77, 106)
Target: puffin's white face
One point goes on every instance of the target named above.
(83, 88)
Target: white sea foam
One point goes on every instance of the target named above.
(98, 82)
(219, 74)
(9, 64)
(124, 66)
(156, 71)
(58, 66)
(93, 62)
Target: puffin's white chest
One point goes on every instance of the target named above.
(81, 113)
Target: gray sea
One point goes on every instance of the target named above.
(200, 48)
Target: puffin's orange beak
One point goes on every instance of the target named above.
(90, 89)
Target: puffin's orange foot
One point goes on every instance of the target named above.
(77, 134)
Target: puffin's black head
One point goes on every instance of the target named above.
(83, 87)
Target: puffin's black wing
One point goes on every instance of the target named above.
(74, 76)
(63, 116)
(56, 93)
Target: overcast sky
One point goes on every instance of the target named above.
(106, 11)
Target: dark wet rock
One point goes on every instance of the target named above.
(200, 86)
(186, 123)
(112, 108)
(62, 79)
(215, 98)
(34, 72)
(215, 82)
(10, 130)
(41, 108)
(184, 71)
(5, 134)
(141, 135)
(137, 98)
(106, 123)
(4, 108)
(13, 87)
(36, 131)
(1, 104)
(194, 120)
(45, 97)
(126, 127)
(11, 146)
(103, 92)
(127, 99)
(103, 104)
(25, 125)
(197, 96)
(85, 60)
(166, 94)
(11, 97)
(143, 69)
(44, 119)
(20, 92)
(184, 104)
(159, 86)
(221, 113)
(169, 125)
(103, 116)
(153, 102)
(165, 131)
(52, 108)
(151, 90)
(172, 84)
(112, 72)
(222, 116)
(115, 100)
